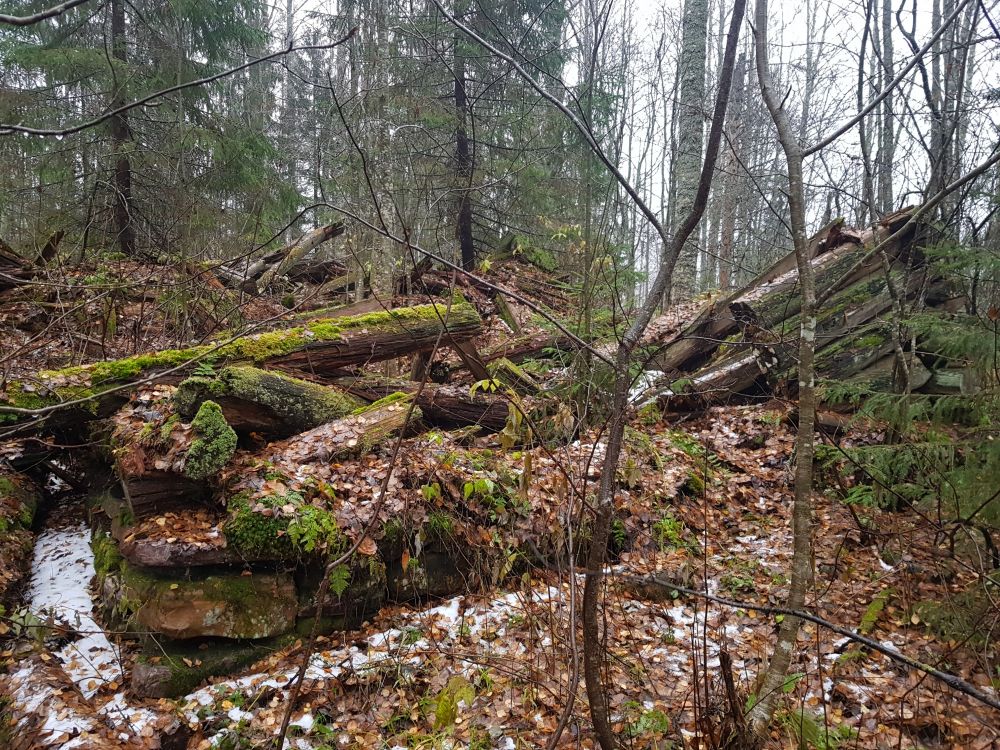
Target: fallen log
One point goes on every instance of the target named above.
(350, 436)
(773, 296)
(756, 352)
(14, 270)
(320, 347)
(265, 402)
(531, 346)
(446, 406)
(266, 269)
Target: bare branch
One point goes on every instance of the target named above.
(56, 10)
(820, 145)
(8, 128)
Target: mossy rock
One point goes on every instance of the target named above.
(222, 605)
(172, 670)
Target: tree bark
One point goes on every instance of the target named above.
(732, 189)
(690, 126)
(769, 685)
(121, 136)
(463, 158)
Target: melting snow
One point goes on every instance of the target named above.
(62, 569)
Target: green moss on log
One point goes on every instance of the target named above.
(299, 403)
(393, 398)
(214, 445)
(51, 387)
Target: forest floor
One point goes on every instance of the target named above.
(497, 668)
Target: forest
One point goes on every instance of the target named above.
(439, 374)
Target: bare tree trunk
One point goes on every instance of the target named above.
(288, 116)
(690, 128)
(769, 686)
(121, 135)
(887, 144)
(733, 177)
(463, 161)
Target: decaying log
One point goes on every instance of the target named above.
(953, 381)
(265, 402)
(51, 247)
(771, 353)
(319, 347)
(349, 436)
(881, 375)
(266, 269)
(531, 346)
(773, 296)
(446, 406)
(153, 492)
(14, 270)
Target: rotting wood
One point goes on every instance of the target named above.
(321, 348)
(261, 401)
(446, 406)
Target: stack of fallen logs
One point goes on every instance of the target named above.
(746, 342)
(200, 542)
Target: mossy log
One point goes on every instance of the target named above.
(163, 463)
(774, 296)
(953, 381)
(881, 375)
(322, 347)
(446, 406)
(263, 401)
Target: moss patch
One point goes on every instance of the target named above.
(214, 445)
(255, 536)
(185, 667)
(393, 398)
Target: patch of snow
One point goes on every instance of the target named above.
(643, 383)
(61, 571)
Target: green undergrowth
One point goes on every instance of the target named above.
(968, 616)
(256, 536)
